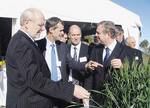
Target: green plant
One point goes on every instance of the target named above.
(128, 88)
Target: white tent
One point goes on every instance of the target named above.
(92, 11)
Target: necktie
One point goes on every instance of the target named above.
(107, 54)
(75, 81)
(54, 75)
(75, 54)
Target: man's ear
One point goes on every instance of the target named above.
(69, 35)
(26, 22)
(51, 30)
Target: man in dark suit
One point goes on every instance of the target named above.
(135, 53)
(120, 34)
(81, 50)
(54, 28)
(109, 52)
(29, 83)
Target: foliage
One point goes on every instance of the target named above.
(2, 63)
(128, 88)
(145, 45)
(89, 38)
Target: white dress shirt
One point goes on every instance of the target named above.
(48, 58)
(72, 54)
(111, 48)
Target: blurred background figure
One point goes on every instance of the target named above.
(120, 34)
(136, 53)
(64, 38)
(130, 41)
(3, 83)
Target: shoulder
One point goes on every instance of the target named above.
(98, 46)
(59, 43)
(41, 41)
(84, 46)
(42, 44)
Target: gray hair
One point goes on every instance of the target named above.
(108, 27)
(29, 14)
(52, 22)
(74, 26)
(119, 30)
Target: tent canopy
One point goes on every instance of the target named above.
(84, 12)
(73, 10)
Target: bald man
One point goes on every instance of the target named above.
(135, 54)
(130, 41)
(29, 78)
(81, 49)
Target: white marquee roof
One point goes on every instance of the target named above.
(92, 11)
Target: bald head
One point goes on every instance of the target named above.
(131, 42)
(73, 28)
(32, 22)
(75, 34)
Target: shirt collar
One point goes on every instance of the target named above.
(77, 46)
(112, 45)
(49, 42)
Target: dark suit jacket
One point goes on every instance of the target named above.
(135, 55)
(63, 56)
(29, 84)
(99, 75)
(81, 75)
(66, 61)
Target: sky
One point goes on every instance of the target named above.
(141, 8)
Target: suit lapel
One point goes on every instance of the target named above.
(80, 52)
(29, 39)
(99, 52)
(59, 52)
(115, 53)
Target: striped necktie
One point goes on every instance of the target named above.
(75, 54)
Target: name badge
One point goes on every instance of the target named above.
(136, 58)
(59, 64)
(83, 59)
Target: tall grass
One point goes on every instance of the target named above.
(128, 88)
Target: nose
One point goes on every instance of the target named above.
(42, 28)
(96, 35)
(62, 32)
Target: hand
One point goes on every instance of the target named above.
(81, 93)
(86, 103)
(92, 65)
(116, 63)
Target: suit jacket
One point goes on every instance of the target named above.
(29, 84)
(61, 51)
(97, 78)
(100, 74)
(63, 56)
(83, 55)
(135, 55)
